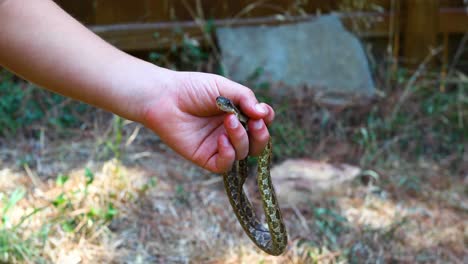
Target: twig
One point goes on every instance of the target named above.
(133, 136)
(201, 22)
(331, 255)
(301, 218)
(409, 85)
(34, 179)
(460, 107)
(458, 54)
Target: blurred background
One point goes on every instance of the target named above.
(370, 138)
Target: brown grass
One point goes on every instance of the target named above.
(406, 209)
(172, 212)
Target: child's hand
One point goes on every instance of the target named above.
(186, 118)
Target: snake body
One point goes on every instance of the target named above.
(272, 239)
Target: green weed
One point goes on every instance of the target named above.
(22, 105)
(152, 183)
(15, 246)
(181, 195)
(68, 202)
(185, 53)
(432, 125)
(116, 144)
(18, 246)
(290, 140)
(330, 224)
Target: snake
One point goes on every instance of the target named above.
(272, 237)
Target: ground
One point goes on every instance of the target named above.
(76, 199)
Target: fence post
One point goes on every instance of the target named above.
(420, 31)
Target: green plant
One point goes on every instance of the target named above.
(68, 202)
(290, 140)
(360, 23)
(15, 196)
(432, 124)
(12, 95)
(114, 143)
(181, 195)
(330, 224)
(186, 54)
(152, 183)
(22, 105)
(15, 246)
(410, 183)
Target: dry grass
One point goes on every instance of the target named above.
(168, 211)
(150, 206)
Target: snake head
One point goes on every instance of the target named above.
(226, 105)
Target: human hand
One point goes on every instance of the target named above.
(180, 107)
(186, 118)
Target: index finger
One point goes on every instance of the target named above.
(242, 97)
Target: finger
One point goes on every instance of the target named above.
(237, 136)
(270, 115)
(222, 161)
(226, 154)
(259, 136)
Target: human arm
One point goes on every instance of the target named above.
(43, 44)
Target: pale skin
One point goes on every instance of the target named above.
(43, 44)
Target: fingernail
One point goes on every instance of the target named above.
(257, 125)
(233, 122)
(260, 108)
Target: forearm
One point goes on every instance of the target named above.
(43, 44)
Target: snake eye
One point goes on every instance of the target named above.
(224, 103)
(221, 100)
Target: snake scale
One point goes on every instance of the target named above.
(272, 239)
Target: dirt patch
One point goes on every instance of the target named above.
(153, 206)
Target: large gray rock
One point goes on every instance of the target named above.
(319, 53)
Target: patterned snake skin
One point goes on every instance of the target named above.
(274, 238)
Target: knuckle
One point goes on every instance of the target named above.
(239, 134)
(242, 152)
(250, 93)
(262, 137)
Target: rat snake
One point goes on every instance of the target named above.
(272, 239)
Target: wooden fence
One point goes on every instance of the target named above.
(413, 26)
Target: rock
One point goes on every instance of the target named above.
(320, 54)
(300, 181)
